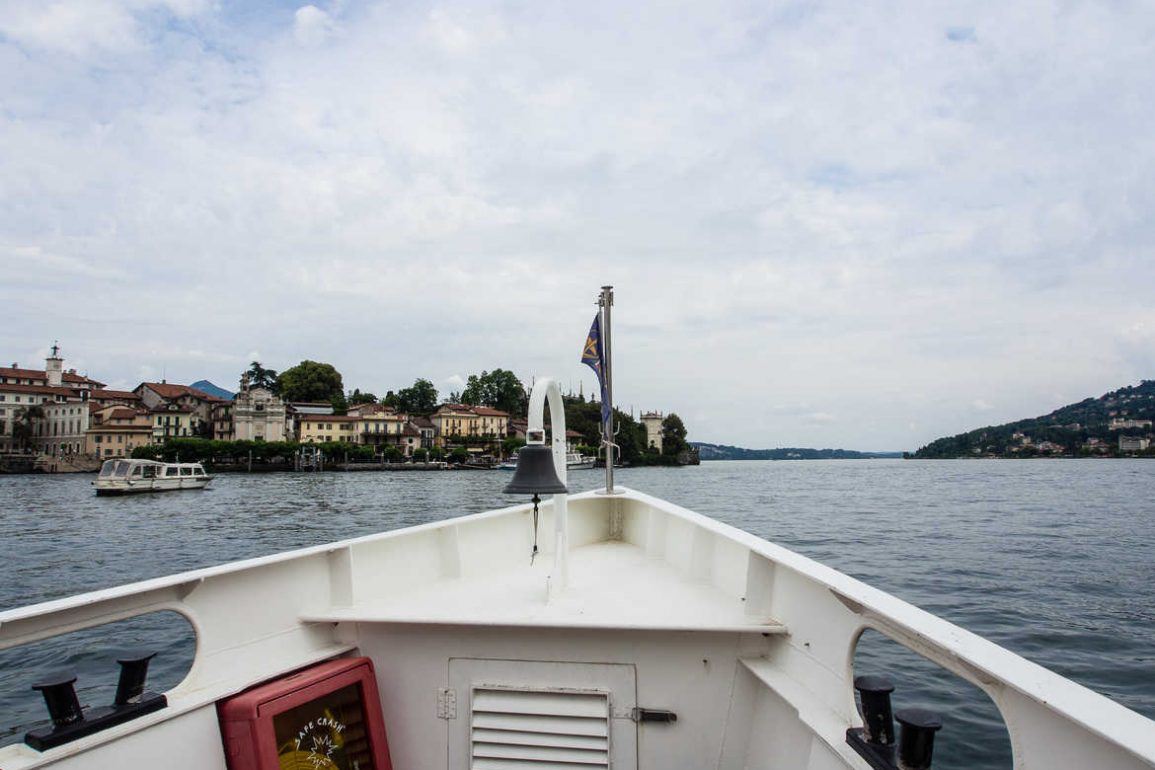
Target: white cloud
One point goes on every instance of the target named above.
(81, 27)
(312, 26)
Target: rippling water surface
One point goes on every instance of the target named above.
(1053, 559)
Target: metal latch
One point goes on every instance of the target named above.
(446, 703)
(654, 715)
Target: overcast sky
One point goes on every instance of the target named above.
(860, 224)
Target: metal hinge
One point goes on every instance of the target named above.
(446, 703)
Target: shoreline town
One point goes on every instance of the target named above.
(55, 420)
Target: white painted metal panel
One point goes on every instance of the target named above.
(542, 715)
(586, 714)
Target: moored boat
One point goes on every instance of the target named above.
(579, 462)
(127, 476)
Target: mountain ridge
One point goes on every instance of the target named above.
(1090, 427)
(213, 390)
(708, 451)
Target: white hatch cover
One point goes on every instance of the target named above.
(542, 716)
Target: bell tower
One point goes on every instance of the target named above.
(54, 367)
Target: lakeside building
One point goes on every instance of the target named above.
(653, 424)
(378, 425)
(222, 417)
(321, 428)
(116, 430)
(1133, 443)
(257, 414)
(61, 431)
(1123, 423)
(426, 431)
(103, 397)
(171, 421)
(454, 423)
(161, 396)
(297, 411)
(47, 406)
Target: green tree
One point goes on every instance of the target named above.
(24, 427)
(419, 399)
(339, 404)
(420, 455)
(500, 389)
(673, 436)
(260, 377)
(357, 397)
(310, 381)
(459, 455)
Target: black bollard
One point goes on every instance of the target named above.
(133, 673)
(916, 743)
(874, 692)
(60, 697)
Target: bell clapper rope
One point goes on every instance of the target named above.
(533, 553)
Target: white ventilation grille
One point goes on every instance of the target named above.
(539, 729)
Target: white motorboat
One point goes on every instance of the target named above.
(579, 462)
(125, 476)
(573, 462)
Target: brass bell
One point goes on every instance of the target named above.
(535, 473)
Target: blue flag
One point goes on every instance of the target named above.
(593, 356)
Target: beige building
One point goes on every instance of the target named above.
(320, 428)
(258, 415)
(653, 423)
(378, 424)
(60, 394)
(15, 399)
(453, 422)
(158, 395)
(222, 417)
(116, 430)
(61, 432)
(171, 421)
(1133, 443)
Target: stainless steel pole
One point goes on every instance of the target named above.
(607, 301)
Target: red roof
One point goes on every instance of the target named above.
(24, 374)
(40, 374)
(8, 387)
(120, 413)
(74, 377)
(168, 390)
(480, 411)
(98, 394)
(171, 409)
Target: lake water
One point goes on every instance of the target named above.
(1053, 559)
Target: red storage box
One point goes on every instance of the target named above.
(327, 717)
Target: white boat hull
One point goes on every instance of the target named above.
(653, 606)
(120, 487)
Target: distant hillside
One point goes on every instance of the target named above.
(1091, 427)
(724, 452)
(212, 390)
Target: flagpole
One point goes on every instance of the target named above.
(606, 301)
